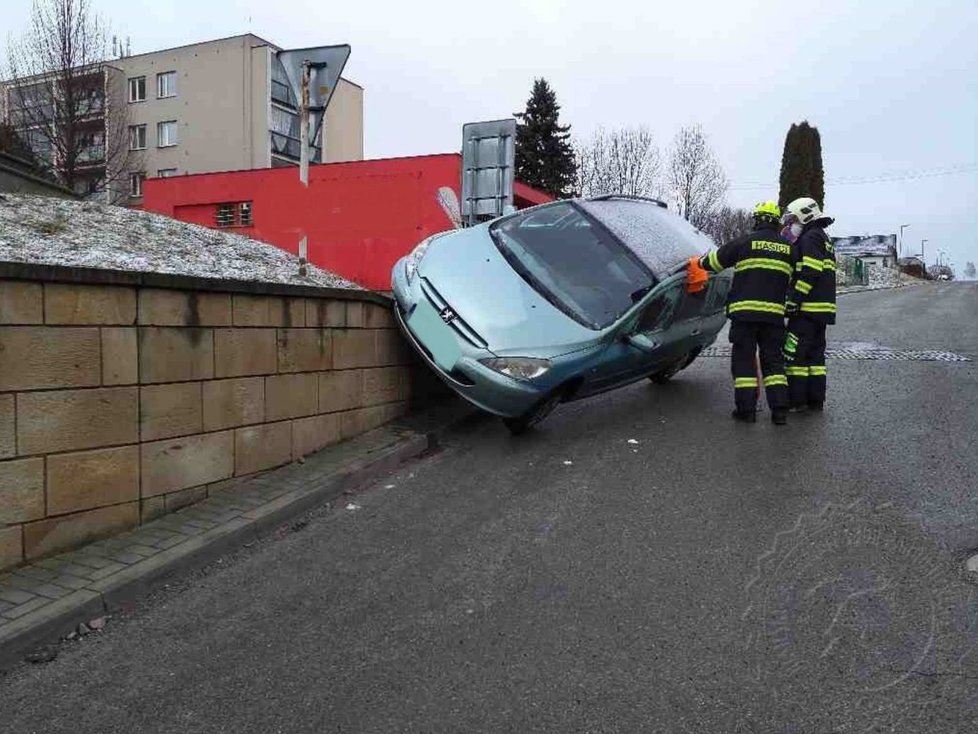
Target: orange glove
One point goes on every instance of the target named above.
(696, 276)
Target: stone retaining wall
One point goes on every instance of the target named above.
(124, 397)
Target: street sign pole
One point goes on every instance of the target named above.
(304, 154)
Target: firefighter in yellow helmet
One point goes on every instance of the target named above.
(763, 263)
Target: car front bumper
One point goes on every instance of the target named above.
(468, 377)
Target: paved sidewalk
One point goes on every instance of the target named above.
(47, 599)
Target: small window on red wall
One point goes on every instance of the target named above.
(237, 214)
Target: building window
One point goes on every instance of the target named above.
(166, 84)
(137, 89)
(136, 184)
(236, 214)
(225, 215)
(166, 172)
(166, 134)
(137, 137)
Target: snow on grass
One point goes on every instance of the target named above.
(49, 231)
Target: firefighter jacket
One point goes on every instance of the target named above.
(763, 264)
(814, 284)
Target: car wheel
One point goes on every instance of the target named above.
(535, 415)
(664, 375)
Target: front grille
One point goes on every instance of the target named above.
(459, 324)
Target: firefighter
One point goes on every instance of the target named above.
(762, 261)
(810, 306)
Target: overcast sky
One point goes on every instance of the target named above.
(892, 86)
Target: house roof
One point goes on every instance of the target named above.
(881, 245)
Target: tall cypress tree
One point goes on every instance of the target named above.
(801, 165)
(544, 156)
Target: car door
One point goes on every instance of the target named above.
(621, 362)
(687, 327)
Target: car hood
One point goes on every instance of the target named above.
(473, 278)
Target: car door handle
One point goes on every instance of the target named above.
(695, 332)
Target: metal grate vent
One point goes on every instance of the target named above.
(881, 353)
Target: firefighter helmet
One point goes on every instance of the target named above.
(767, 211)
(804, 210)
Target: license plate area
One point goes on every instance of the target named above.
(437, 336)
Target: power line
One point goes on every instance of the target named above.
(881, 178)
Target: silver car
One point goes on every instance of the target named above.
(559, 302)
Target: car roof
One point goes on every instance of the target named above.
(660, 238)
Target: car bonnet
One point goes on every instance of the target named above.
(464, 271)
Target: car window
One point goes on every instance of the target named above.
(692, 305)
(573, 262)
(658, 314)
(719, 290)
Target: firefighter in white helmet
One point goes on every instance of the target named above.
(811, 304)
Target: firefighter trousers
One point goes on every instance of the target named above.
(804, 352)
(747, 338)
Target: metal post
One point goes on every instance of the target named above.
(304, 154)
(902, 227)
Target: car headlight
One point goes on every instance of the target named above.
(519, 368)
(417, 255)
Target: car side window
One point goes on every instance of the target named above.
(718, 294)
(658, 313)
(692, 305)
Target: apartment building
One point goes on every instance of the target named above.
(222, 105)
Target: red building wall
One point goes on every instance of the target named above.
(359, 217)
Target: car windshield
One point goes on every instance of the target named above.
(573, 262)
(661, 238)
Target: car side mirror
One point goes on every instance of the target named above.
(642, 342)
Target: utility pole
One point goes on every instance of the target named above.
(923, 257)
(304, 155)
(902, 227)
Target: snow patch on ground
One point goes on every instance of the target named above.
(49, 231)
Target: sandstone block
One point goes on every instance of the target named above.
(67, 420)
(90, 479)
(66, 303)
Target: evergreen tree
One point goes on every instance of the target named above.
(801, 165)
(544, 156)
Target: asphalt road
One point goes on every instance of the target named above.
(712, 577)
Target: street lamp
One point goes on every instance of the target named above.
(902, 227)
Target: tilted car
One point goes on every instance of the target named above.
(557, 303)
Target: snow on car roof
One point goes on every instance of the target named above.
(50, 231)
(661, 238)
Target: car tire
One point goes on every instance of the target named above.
(663, 376)
(535, 415)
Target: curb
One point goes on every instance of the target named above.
(235, 517)
(868, 289)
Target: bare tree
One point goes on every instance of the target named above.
(970, 271)
(624, 161)
(728, 223)
(696, 178)
(65, 101)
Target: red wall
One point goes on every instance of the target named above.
(359, 217)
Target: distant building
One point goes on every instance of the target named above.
(222, 105)
(872, 250)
